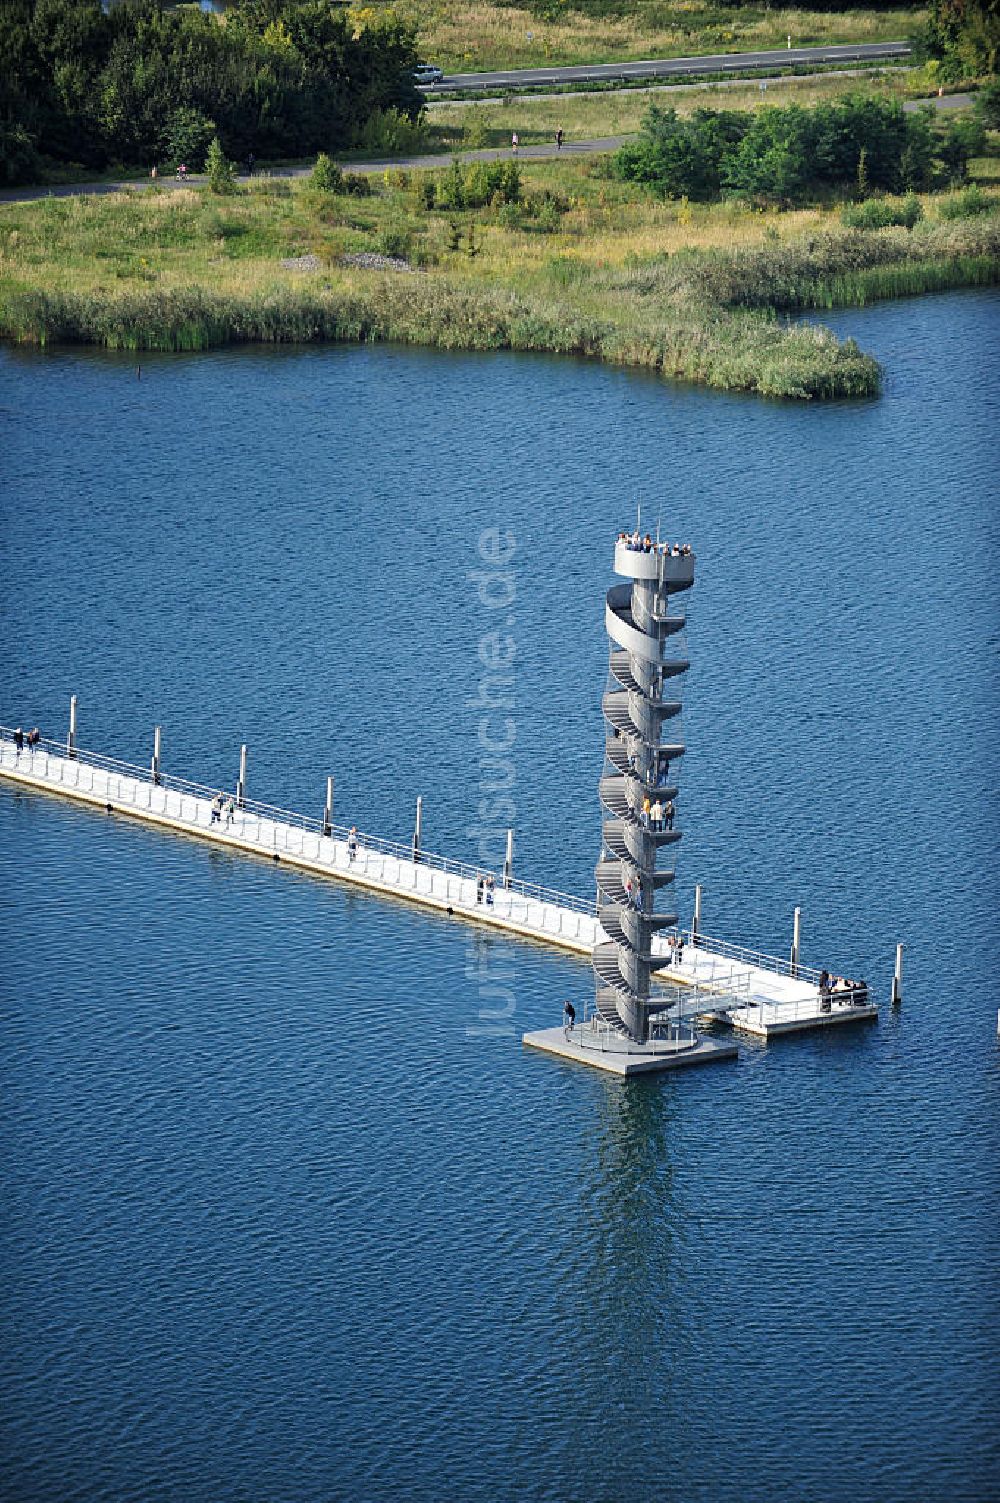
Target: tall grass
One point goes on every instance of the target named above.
(486, 36)
(694, 292)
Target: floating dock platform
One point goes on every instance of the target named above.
(755, 993)
(591, 1045)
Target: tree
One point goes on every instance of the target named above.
(771, 162)
(219, 170)
(965, 35)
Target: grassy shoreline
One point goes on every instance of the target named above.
(583, 265)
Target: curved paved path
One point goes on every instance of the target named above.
(441, 159)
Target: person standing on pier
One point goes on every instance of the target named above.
(217, 803)
(569, 1018)
(352, 843)
(19, 741)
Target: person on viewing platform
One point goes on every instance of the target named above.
(19, 740)
(656, 815)
(480, 887)
(352, 842)
(645, 810)
(668, 814)
(34, 736)
(679, 947)
(490, 889)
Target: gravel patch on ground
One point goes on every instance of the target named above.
(302, 263)
(372, 261)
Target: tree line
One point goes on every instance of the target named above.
(782, 154)
(143, 82)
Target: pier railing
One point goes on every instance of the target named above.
(52, 759)
(756, 958)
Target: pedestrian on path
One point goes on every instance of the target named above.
(514, 143)
(559, 139)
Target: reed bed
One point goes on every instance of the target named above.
(700, 293)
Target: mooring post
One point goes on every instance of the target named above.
(328, 808)
(796, 937)
(154, 767)
(696, 924)
(241, 786)
(897, 980)
(71, 739)
(417, 828)
(508, 864)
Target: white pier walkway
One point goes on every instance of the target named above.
(382, 866)
(758, 994)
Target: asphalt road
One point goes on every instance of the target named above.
(720, 62)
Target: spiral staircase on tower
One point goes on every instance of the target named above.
(643, 747)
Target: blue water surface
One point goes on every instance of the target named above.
(287, 1211)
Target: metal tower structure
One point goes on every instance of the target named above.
(642, 747)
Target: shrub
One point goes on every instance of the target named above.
(960, 140)
(19, 161)
(987, 103)
(880, 213)
(326, 176)
(221, 178)
(396, 239)
(966, 203)
(358, 185)
(478, 184)
(476, 130)
(509, 216)
(390, 130)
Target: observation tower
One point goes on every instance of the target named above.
(638, 788)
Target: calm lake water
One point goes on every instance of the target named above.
(284, 1216)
